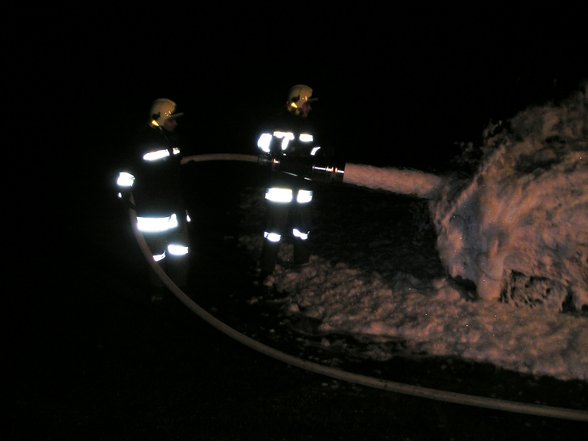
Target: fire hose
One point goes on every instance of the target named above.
(377, 383)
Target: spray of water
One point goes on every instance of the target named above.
(408, 182)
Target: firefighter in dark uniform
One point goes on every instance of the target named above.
(152, 181)
(288, 138)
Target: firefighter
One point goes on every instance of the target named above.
(289, 138)
(151, 180)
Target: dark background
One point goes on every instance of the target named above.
(92, 358)
(393, 85)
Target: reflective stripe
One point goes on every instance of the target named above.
(306, 137)
(177, 250)
(304, 196)
(280, 195)
(272, 237)
(286, 137)
(158, 257)
(156, 155)
(157, 224)
(297, 233)
(125, 179)
(264, 142)
(314, 150)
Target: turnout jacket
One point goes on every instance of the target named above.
(155, 164)
(290, 145)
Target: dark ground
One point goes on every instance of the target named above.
(94, 359)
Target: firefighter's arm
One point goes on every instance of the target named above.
(124, 186)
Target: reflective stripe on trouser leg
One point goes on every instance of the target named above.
(176, 249)
(177, 264)
(300, 226)
(178, 240)
(272, 237)
(299, 234)
(157, 243)
(301, 251)
(269, 252)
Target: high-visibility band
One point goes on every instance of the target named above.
(156, 224)
(299, 234)
(177, 250)
(156, 155)
(272, 237)
(280, 195)
(286, 137)
(304, 196)
(306, 137)
(158, 257)
(125, 179)
(264, 142)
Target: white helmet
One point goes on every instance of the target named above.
(297, 96)
(162, 109)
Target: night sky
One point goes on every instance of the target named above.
(395, 86)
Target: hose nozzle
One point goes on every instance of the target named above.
(328, 173)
